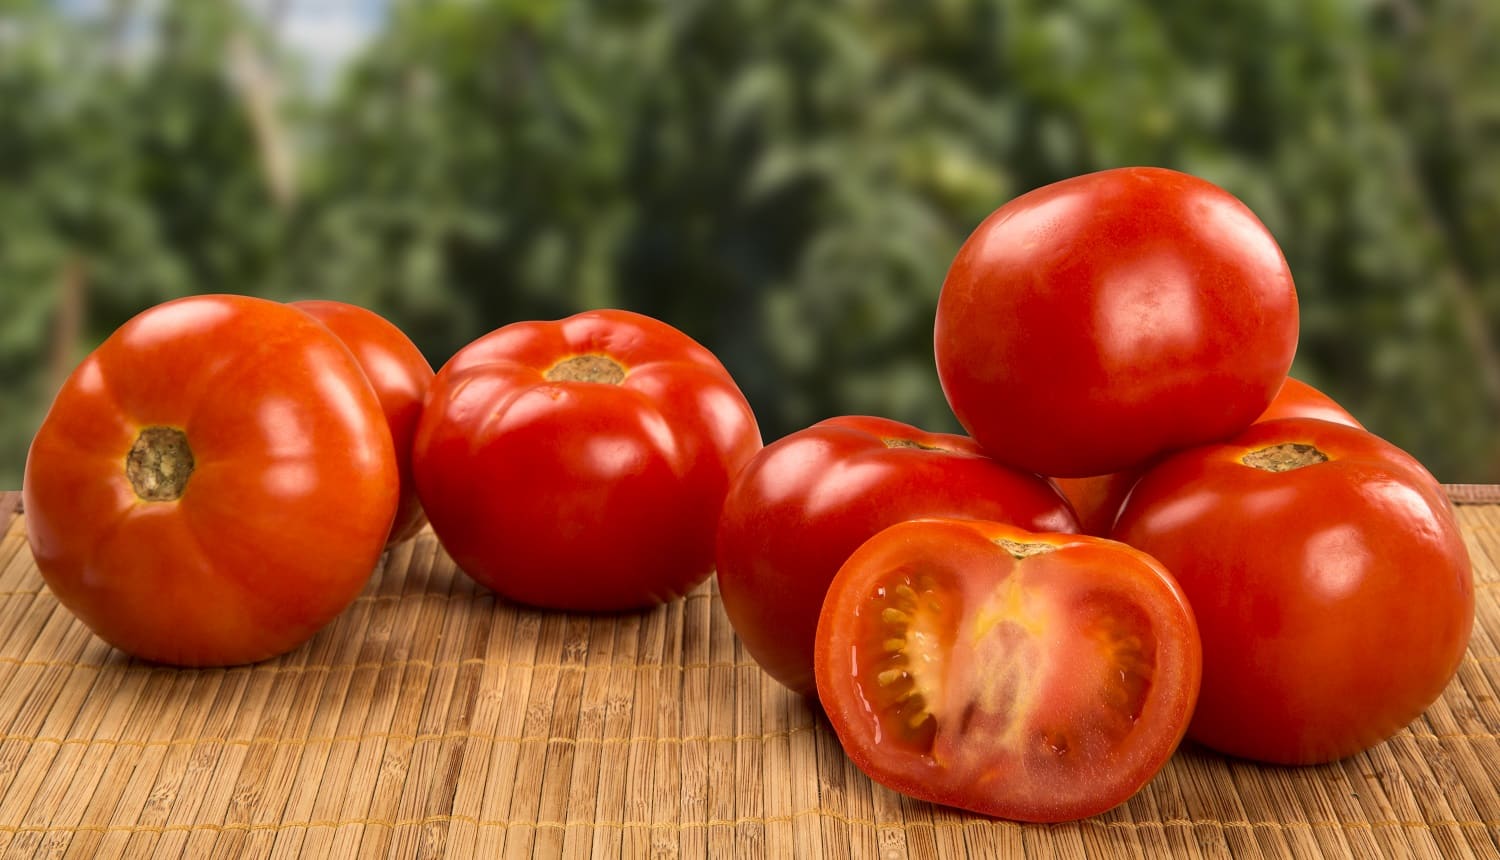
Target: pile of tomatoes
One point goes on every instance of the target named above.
(1148, 532)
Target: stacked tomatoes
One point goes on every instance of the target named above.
(217, 481)
(1258, 572)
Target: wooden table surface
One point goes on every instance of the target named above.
(432, 719)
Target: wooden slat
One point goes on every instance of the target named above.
(431, 717)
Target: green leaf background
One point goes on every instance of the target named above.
(787, 182)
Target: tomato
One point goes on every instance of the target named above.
(1095, 323)
(213, 484)
(1040, 677)
(1297, 399)
(810, 499)
(1331, 585)
(581, 464)
(1097, 500)
(400, 375)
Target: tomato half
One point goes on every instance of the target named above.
(581, 464)
(1095, 323)
(213, 484)
(1329, 578)
(1097, 500)
(810, 499)
(400, 375)
(1040, 677)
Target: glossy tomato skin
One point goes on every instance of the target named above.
(1038, 677)
(400, 375)
(1097, 500)
(286, 507)
(1335, 599)
(1297, 399)
(582, 494)
(811, 498)
(1095, 323)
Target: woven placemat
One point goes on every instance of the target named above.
(432, 719)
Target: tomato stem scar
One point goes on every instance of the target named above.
(911, 443)
(587, 368)
(1024, 550)
(159, 464)
(1284, 457)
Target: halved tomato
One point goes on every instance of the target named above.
(1039, 677)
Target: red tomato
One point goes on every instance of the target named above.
(1330, 582)
(400, 375)
(1097, 500)
(213, 484)
(1095, 323)
(807, 501)
(1041, 677)
(1297, 399)
(581, 464)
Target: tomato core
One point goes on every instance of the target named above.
(1284, 457)
(587, 368)
(159, 464)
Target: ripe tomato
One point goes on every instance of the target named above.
(1041, 677)
(213, 484)
(1297, 399)
(581, 464)
(1097, 500)
(810, 499)
(1329, 579)
(400, 375)
(1090, 325)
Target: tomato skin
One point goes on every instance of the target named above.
(400, 375)
(1097, 500)
(576, 494)
(282, 519)
(1297, 399)
(1095, 323)
(809, 499)
(1058, 686)
(1335, 599)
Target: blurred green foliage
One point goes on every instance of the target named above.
(786, 182)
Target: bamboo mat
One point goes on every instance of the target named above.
(431, 720)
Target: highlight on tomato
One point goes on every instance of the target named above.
(400, 376)
(1090, 325)
(1031, 676)
(1330, 581)
(1097, 500)
(581, 464)
(213, 484)
(808, 500)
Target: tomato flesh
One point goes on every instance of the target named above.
(1035, 677)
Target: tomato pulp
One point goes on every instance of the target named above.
(1039, 677)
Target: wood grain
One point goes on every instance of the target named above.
(431, 719)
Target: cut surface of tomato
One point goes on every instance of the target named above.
(1040, 677)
